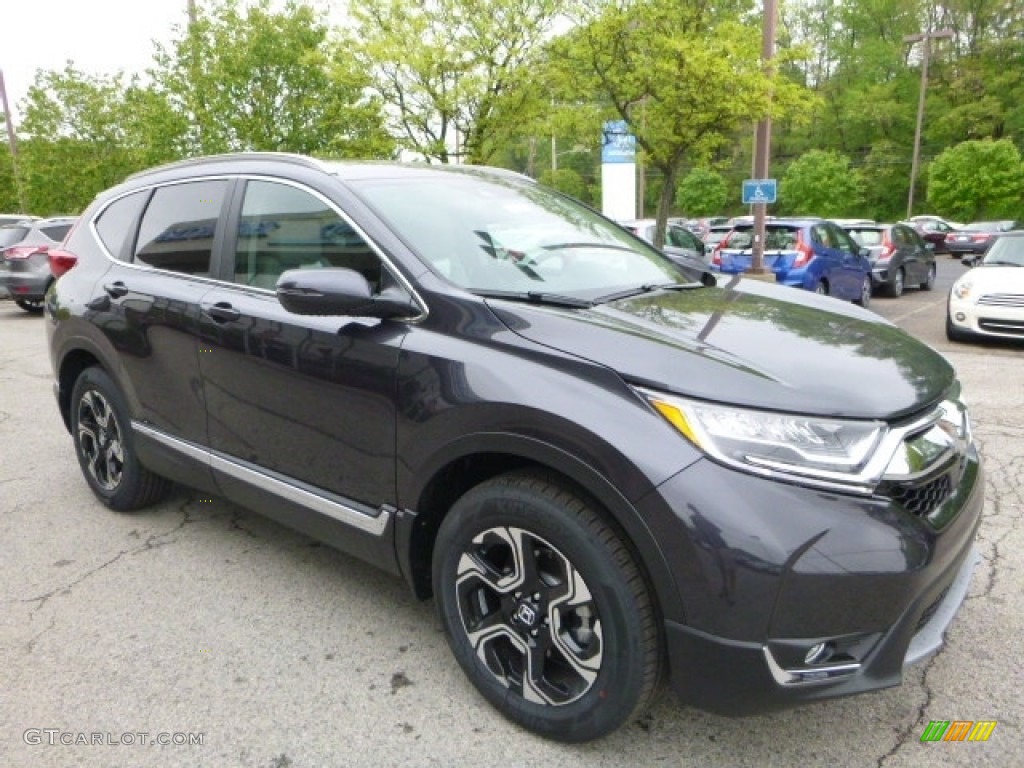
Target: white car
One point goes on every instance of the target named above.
(988, 300)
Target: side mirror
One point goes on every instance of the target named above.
(333, 291)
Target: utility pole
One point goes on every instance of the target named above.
(927, 37)
(12, 141)
(763, 139)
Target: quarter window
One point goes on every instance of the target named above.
(116, 225)
(178, 227)
(284, 228)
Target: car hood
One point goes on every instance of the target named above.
(748, 343)
(994, 280)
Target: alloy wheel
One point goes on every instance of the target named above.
(99, 438)
(529, 616)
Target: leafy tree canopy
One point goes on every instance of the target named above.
(821, 184)
(702, 192)
(978, 180)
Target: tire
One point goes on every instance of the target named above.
(929, 281)
(821, 288)
(105, 445)
(527, 574)
(865, 292)
(895, 287)
(30, 305)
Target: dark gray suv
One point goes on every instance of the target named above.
(600, 465)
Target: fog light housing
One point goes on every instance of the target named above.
(960, 317)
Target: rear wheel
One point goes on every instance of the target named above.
(865, 292)
(929, 281)
(896, 285)
(821, 288)
(545, 608)
(105, 445)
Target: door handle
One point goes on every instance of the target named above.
(116, 289)
(223, 312)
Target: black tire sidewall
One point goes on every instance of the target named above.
(121, 498)
(617, 690)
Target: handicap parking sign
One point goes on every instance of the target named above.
(759, 191)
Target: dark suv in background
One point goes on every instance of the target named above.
(595, 463)
(24, 258)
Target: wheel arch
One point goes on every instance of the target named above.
(71, 367)
(476, 459)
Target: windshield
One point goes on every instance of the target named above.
(1006, 250)
(492, 234)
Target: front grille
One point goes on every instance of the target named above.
(1015, 327)
(930, 610)
(922, 499)
(1002, 300)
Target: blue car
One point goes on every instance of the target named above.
(812, 254)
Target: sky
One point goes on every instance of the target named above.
(99, 36)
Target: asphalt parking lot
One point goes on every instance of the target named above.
(199, 622)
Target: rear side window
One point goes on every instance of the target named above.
(117, 224)
(178, 226)
(284, 228)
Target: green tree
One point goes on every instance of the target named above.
(686, 76)
(702, 192)
(566, 180)
(252, 78)
(978, 180)
(456, 75)
(83, 133)
(821, 184)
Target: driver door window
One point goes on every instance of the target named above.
(283, 227)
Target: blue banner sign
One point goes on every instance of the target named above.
(618, 145)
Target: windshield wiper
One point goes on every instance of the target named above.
(537, 297)
(648, 288)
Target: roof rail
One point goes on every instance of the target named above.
(285, 157)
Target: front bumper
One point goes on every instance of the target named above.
(1003, 322)
(772, 572)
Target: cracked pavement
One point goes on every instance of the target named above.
(197, 616)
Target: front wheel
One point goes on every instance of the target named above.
(105, 445)
(545, 608)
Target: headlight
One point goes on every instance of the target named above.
(831, 451)
(962, 289)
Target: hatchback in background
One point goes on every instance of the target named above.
(988, 300)
(679, 241)
(977, 237)
(15, 218)
(812, 254)
(899, 256)
(24, 258)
